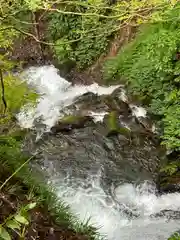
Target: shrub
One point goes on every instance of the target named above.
(77, 38)
(150, 66)
(17, 94)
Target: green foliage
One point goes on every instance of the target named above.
(17, 222)
(80, 38)
(17, 94)
(170, 168)
(175, 236)
(150, 66)
(81, 30)
(9, 148)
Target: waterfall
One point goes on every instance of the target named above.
(86, 197)
(55, 94)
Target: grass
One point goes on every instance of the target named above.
(16, 165)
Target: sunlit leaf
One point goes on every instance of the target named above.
(13, 224)
(21, 219)
(31, 206)
(4, 234)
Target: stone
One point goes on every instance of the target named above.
(68, 123)
(113, 126)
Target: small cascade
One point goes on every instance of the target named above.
(55, 94)
(108, 177)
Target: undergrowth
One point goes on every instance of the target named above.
(90, 35)
(150, 66)
(11, 159)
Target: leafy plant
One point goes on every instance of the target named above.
(79, 38)
(17, 93)
(150, 67)
(170, 169)
(175, 236)
(17, 222)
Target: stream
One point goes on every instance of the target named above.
(108, 177)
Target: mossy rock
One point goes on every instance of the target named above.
(113, 126)
(70, 122)
(116, 104)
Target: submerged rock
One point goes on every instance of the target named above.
(167, 214)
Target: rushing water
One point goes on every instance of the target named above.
(56, 93)
(87, 197)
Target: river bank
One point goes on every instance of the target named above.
(50, 218)
(97, 148)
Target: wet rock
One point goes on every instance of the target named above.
(91, 102)
(118, 101)
(168, 214)
(169, 184)
(68, 123)
(113, 126)
(116, 104)
(146, 123)
(85, 151)
(105, 103)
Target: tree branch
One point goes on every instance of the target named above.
(65, 42)
(3, 91)
(93, 14)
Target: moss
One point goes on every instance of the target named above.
(68, 123)
(72, 119)
(113, 125)
(19, 134)
(112, 122)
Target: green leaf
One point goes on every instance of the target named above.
(21, 219)
(4, 234)
(13, 224)
(31, 206)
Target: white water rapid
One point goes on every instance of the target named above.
(56, 93)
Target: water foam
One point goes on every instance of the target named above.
(105, 212)
(97, 116)
(138, 111)
(55, 94)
